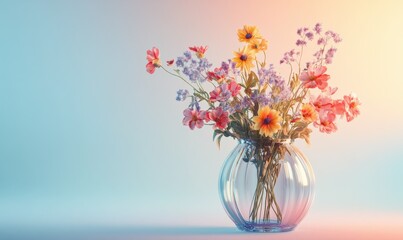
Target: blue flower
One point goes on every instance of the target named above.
(188, 55)
(182, 94)
(179, 62)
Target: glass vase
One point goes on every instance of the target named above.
(266, 186)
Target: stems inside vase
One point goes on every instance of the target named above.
(264, 203)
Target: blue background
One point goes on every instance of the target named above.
(87, 137)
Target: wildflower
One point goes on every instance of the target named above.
(153, 58)
(300, 42)
(352, 104)
(318, 28)
(180, 62)
(339, 107)
(321, 41)
(329, 55)
(194, 69)
(314, 77)
(188, 55)
(261, 98)
(258, 45)
(267, 122)
(309, 113)
(220, 117)
(199, 51)
(234, 88)
(289, 56)
(182, 94)
(194, 118)
(170, 62)
(248, 33)
(220, 93)
(326, 122)
(309, 35)
(244, 59)
(322, 102)
(218, 75)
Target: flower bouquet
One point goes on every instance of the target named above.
(247, 99)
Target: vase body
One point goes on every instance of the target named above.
(266, 187)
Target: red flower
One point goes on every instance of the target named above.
(153, 58)
(314, 77)
(326, 122)
(199, 51)
(234, 88)
(220, 117)
(352, 104)
(218, 75)
(170, 62)
(194, 118)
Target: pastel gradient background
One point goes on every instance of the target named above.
(89, 140)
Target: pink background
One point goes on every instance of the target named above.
(92, 142)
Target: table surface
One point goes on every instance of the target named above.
(364, 229)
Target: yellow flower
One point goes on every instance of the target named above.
(309, 113)
(258, 45)
(244, 59)
(248, 33)
(267, 122)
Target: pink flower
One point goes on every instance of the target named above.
(218, 75)
(220, 93)
(322, 102)
(234, 88)
(199, 51)
(153, 58)
(220, 117)
(194, 118)
(326, 122)
(314, 77)
(339, 107)
(352, 104)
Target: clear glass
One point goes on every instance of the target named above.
(266, 188)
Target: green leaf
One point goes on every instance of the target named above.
(252, 80)
(216, 132)
(219, 141)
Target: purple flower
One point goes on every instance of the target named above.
(194, 104)
(220, 93)
(309, 35)
(204, 64)
(299, 31)
(195, 76)
(194, 69)
(318, 28)
(180, 62)
(321, 41)
(225, 67)
(182, 94)
(336, 38)
(289, 56)
(188, 55)
(329, 55)
(260, 98)
(300, 42)
(186, 71)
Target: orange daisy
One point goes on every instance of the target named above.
(309, 113)
(267, 122)
(248, 33)
(244, 59)
(258, 45)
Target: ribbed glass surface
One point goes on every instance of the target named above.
(259, 209)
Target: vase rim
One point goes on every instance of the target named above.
(279, 141)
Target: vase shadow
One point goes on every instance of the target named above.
(175, 230)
